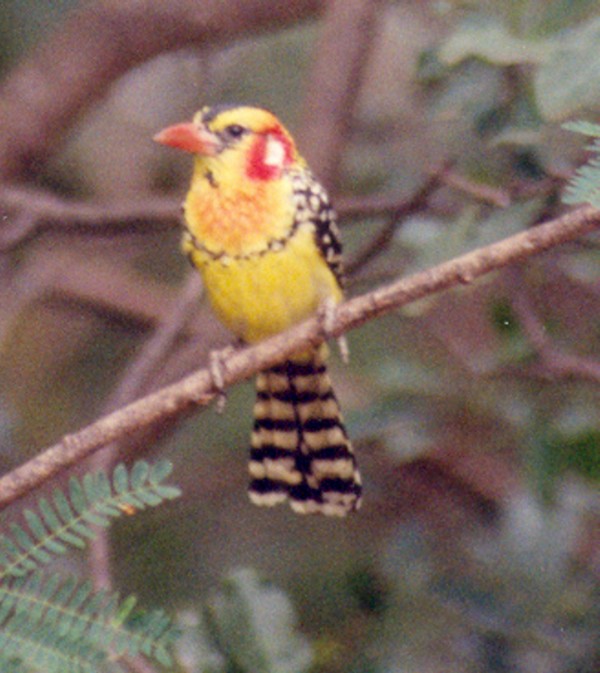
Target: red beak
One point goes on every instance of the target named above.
(188, 137)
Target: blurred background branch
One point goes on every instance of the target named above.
(101, 41)
(436, 127)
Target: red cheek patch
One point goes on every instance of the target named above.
(269, 154)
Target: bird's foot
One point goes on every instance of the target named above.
(216, 367)
(327, 314)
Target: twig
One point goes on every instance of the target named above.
(555, 361)
(401, 209)
(27, 212)
(198, 388)
(30, 212)
(496, 197)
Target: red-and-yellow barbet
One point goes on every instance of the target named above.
(261, 231)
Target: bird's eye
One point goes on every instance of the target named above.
(234, 130)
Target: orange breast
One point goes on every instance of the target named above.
(239, 219)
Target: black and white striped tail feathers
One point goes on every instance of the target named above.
(300, 449)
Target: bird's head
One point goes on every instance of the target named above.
(245, 140)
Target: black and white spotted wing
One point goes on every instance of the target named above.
(312, 205)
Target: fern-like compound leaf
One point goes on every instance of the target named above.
(41, 648)
(68, 612)
(584, 187)
(62, 625)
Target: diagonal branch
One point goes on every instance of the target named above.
(198, 388)
(553, 360)
(30, 212)
(396, 212)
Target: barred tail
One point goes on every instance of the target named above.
(300, 449)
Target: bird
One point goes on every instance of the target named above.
(260, 229)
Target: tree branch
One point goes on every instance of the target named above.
(396, 211)
(30, 211)
(554, 361)
(198, 388)
(334, 83)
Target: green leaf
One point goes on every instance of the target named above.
(255, 624)
(29, 547)
(103, 486)
(168, 492)
(487, 38)
(161, 654)
(585, 186)
(65, 590)
(62, 506)
(6, 605)
(77, 495)
(81, 595)
(151, 499)
(137, 502)
(569, 80)
(108, 509)
(42, 649)
(39, 554)
(35, 524)
(160, 471)
(139, 474)
(90, 487)
(24, 541)
(120, 479)
(125, 610)
(52, 521)
(96, 519)
(79, 527)
(583, 127)
(71, 539)
(18, 564)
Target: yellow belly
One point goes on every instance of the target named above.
(266, 294)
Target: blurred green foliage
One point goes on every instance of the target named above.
(475, 548)
(24, 22)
